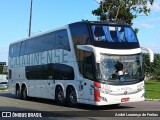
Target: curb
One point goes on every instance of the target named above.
(152, 99)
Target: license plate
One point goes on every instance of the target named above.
(125, 99)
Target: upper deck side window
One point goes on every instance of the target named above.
(14, 49)
(51, 41)
(80, 33)
(113, 33)
(62, 40)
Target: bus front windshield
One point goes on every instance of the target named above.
(120, 69)
(113, 33)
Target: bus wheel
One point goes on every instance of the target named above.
(24, 93)
(59, 96)
(18, 92)
(71, 97)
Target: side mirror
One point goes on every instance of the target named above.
(151, 54)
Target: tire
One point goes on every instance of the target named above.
(59, 96)
(72, 97)
(24, 94)
(18, 93)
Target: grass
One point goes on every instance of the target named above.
(152, 89)
(2, 88)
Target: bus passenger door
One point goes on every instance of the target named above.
(88, 76)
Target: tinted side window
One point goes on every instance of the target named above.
(49, 41)
(62, 72)
(62, 41)
(29, 46)
(80, 34)
(22, 49)
(50, 71)
(14, 49)
(38, 44)
(10, 74)
(38, 72)
(88, 65)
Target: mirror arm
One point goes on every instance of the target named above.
(151, 54)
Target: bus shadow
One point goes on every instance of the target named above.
(8, 95)
(80, 106)
(106, 107)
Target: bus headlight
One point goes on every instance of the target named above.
(140, 87)
(102, 90)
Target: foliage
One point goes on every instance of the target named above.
(122, 10)
(152, 69)
(1, 69)
(152, 89)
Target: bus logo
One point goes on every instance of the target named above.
(125, 93)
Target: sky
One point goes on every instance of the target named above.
(50, 14)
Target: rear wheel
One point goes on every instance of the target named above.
(59, 96)
(71, 97)
(18, 92)
(24, 94)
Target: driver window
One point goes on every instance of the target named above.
(99, 34)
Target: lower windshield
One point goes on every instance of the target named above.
(120, 69)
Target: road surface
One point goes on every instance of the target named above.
(49, 108)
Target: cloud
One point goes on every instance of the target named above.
(156, 19)
(155, 7)
(154, 48)
(144, 25)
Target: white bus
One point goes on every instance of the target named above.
(97, 63)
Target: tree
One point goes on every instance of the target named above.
(122, 10)
(152, 69)
(1, 69)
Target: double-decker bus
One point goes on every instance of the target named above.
(89, 62)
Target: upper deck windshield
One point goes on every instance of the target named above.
(113, 33)
(120, 69)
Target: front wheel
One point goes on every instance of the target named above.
(71, 97)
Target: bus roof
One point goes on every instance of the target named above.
(64, 27)
(102, 22)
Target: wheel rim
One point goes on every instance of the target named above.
(18, 92)
(73, 97)
(60, 95)
(24, 94)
